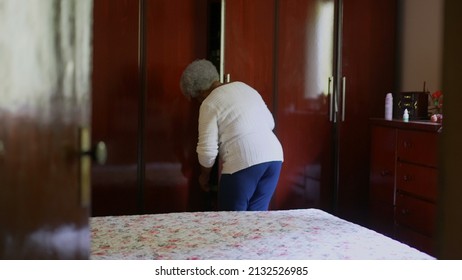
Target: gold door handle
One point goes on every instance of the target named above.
(98, 153)
(2, 148)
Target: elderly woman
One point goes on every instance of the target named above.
(235, 123)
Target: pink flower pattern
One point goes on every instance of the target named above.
(285, 234)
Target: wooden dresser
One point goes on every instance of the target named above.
(404, 180)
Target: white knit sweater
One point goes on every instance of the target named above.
(235, 121)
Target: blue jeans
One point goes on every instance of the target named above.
(250, 189)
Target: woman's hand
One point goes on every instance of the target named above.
(204, 178)
(204, 182)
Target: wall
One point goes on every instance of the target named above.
(421, 44)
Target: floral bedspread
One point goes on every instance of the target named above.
(284, 234)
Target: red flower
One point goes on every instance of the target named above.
(437, 94)
(437, 98)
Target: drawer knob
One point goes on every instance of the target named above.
(405, 211)
(407, 178)
(407, 144)
(385, 173)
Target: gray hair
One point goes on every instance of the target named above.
(198, 76)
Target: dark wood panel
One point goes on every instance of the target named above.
(381, 218)
(115, 105)
(368, 64)
(383, 158)
(304, 65)
(177, 34)
(382, 180)
(415, 239)
(249, 44)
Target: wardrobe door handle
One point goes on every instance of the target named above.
(331, 98)
(343, 97)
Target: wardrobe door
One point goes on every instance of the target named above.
(115, 105)
(304, 115)
(176, 34)
(367, 65)
(249, 45)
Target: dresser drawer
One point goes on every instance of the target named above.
(415, 213)
(418, 180)
(415, 239)
(418, 147)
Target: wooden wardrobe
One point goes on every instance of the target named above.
(322, 66)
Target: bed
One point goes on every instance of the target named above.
(284, 234)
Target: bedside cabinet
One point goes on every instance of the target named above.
(404, 181)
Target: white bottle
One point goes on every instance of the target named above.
(389, 107)
(406, 115)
